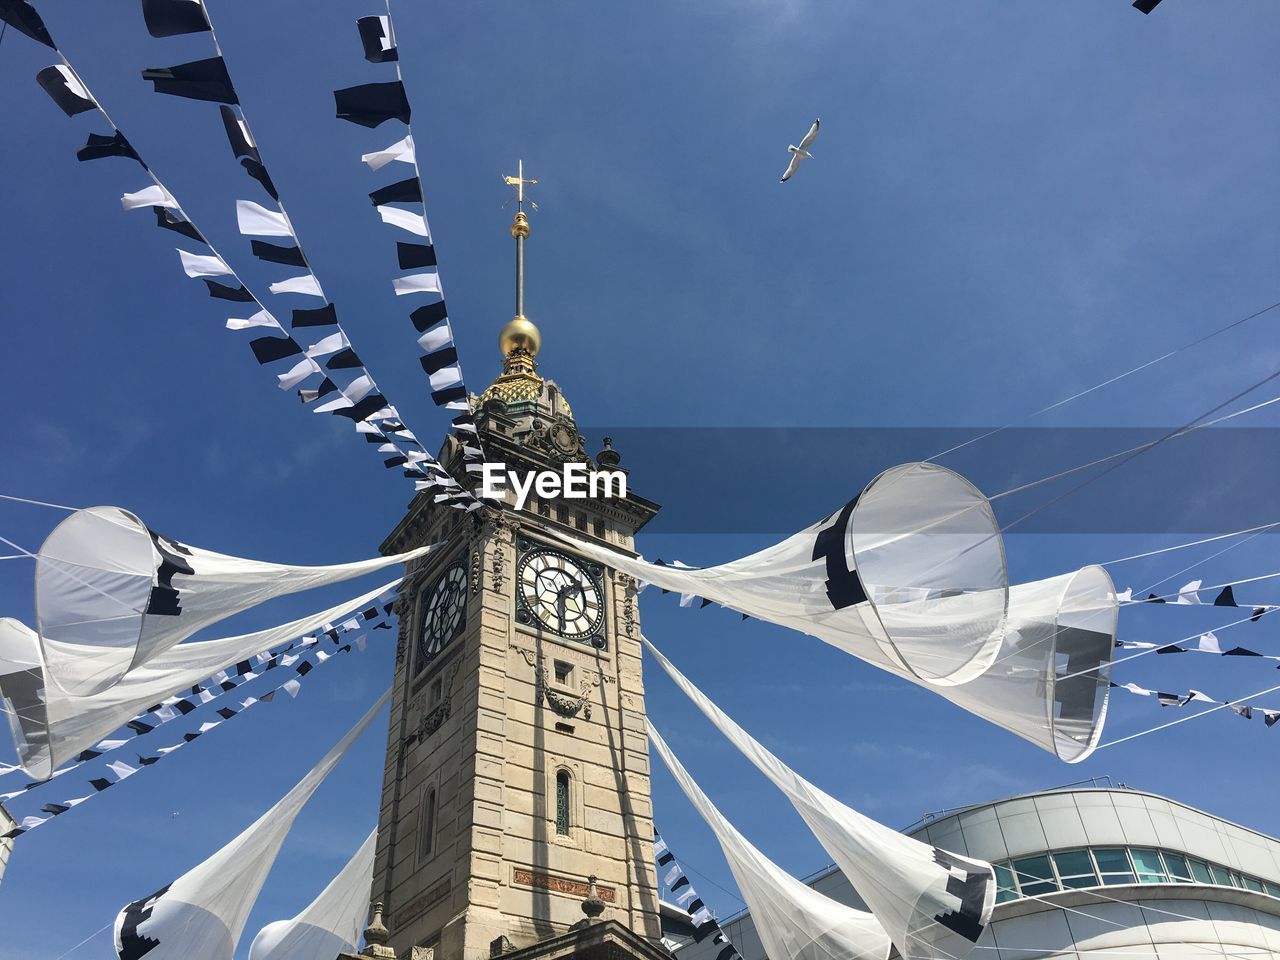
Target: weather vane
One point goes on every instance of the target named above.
(519, 181)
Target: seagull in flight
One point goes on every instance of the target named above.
(801, 152)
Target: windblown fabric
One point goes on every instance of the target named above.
(1050, 680)
(172, 18)
(50, 728)
(792, 919)
(201, 915)
(22, 16)
(915, 585)
(910, 576)
(333, 921)
(198, 80)
(65, 89)
(922, 895)
(372, 104)
(112, 594)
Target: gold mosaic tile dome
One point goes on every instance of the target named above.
(519, 383)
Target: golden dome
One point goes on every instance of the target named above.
(520, 333)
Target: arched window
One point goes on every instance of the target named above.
(562, 803)
(427, 825)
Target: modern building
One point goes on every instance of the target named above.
(1096, 872)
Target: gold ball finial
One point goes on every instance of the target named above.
(520, 333)
(520, 227)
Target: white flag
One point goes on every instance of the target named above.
(256, 220)
(306, 284)
(402, 150)
(405, 220)
(418, 283)
(197, 265)
(154, 196)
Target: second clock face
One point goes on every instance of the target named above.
(444, 613)
(561, 594)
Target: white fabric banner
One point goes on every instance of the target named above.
(201, 915)
(111, 594)
(198, 265)
(418, 283)
(256, 220)
(922, 895)
(445, 377)
(297, 373)
(413, 222)
(792, 919)
(330, 344)
(153, 196)
(262, 318)
(910, 577)
(306, 284)
(436, 337)
(359, 388)
(51, 728)
(401, 150)
(331, 924)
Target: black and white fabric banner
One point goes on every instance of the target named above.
(677, 881)
(401, 204)
(791, 919)
(187, 700)
(112, 594)
(300, 664)
(202, 914)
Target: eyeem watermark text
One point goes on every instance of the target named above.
(574, 482)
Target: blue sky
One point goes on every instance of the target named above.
(1009, 202)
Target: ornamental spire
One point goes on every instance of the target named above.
(520, 229)
(519, 340)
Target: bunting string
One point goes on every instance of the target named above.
(677, 881)
(211, 80)
(1196, 716)
(223, 682)
(370, 105)
(371, 413)
(118, 770)
(1239, 707)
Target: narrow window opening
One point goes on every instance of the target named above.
(562, 803)
(599, 528)
(427, 840)
(563, 671)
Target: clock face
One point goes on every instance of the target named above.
(444, 613)
(560, 594)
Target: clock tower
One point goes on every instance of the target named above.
(515, 795)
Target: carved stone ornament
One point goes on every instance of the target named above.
(437, 715)
(563, 704)
(628, 594)
(504, 535)
(402, 637)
